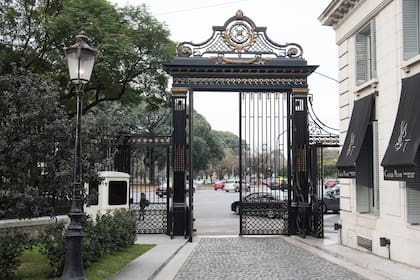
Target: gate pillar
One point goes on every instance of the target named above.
(179, 138)
(299, 207)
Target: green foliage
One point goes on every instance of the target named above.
(330, 156)
(34, 265)
(228, 140)
(106, 234)
(12, 245)
(35, 143)
(330, 170)
(207, 147)
(109, 264)
(27, 203)
(132, 46)
(54, 246)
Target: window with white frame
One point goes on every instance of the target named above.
(411, 28)
(366, 53)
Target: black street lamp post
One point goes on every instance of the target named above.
(80, 59)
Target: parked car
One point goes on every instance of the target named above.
(260, 203)
(280, 194)
(231, 185)
(162, 189)
(276, 185)
(246, 186)
(219, 185)
(331, 200)
(329, 183)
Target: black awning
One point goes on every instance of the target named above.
(360, 118)
(399, 159)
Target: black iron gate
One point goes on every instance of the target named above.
(147, 160)
(264, 157)
(321, 136)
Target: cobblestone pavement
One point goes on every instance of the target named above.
(264, 258)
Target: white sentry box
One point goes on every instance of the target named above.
(110, 194)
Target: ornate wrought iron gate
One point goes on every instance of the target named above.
(264, 157)
(274, 128)
(147, 160)
(320, 136)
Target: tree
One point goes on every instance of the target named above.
(35, 144)
(330, 156)
(207, 148)
(230, 145)
(132, 46)
(228, 140)
(116, 122)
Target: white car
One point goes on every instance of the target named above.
(231, 185)
(279, 194)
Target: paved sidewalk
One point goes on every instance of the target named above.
(148, 265)
(371, 266)
(259, 257)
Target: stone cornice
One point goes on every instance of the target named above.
(336, 11)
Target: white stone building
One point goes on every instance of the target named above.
(379, 98)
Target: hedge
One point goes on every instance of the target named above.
(107, 233)
(12, 245)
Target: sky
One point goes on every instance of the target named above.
(286, 21)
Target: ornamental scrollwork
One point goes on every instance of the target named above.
(241, 81)
(239, 37)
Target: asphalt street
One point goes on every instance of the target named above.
(212, 213)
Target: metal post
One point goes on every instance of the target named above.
(168, 191)
(179, 160)
(73, 266)
(240, 163)
(190, 167)
(291, 214)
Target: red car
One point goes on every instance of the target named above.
(219, 185)
(329, 183)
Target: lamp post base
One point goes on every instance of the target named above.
(73, 266)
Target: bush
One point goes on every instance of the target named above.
(12, 245)
(108, 233)
(53, 242)
(124, 228)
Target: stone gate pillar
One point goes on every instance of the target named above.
(179, 138)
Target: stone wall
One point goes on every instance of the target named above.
(33, 227)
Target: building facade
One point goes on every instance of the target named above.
(379, 98)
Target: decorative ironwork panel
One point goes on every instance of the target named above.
(264, 221)
(239, 56)
(245, 83)
(152, 219)
(240, 37)
(149, 181)
(321, 134)
(149, 140)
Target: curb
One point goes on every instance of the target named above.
(165, 263)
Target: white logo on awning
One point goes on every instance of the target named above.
(402, 141)
(351, 146)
